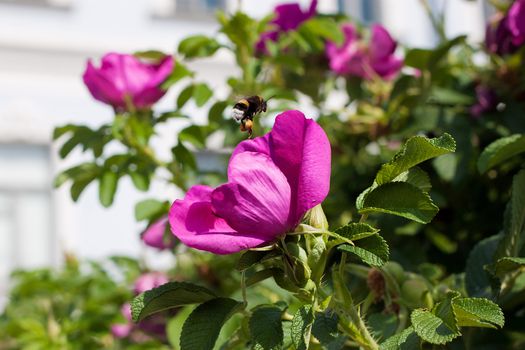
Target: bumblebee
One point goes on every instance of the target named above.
(246, 109)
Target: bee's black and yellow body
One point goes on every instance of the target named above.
(246, 109)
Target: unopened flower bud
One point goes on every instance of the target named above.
(315, 217)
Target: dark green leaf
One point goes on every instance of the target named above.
(450, 97)
(266, 327)
(401, 199)
(431, 328)
(416, 150)
(325, 330)
(372, 250)
(184, 157)
(512, 240)
(216, 112)
(184, 96)
(477, 279)
(194, 134)
(201, 94)
(168, 296)
(326, 28)
(417, 177)
(355, 231)
(406, 340)
(501, 150)
(508, 264)
(478, 312)
(302, 327)
(202, 327)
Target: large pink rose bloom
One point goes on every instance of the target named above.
(124, 79)
(365, 60)
(272, 181)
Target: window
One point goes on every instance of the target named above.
(365, 11)
(26, 226)
(192, 9)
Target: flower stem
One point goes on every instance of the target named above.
(365, 339)
(243, 288)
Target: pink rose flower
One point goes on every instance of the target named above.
(287, 17)
(516, 22)
(357, 58)
(124, 81)
(149, 281)
(154, 235)
(272, 181)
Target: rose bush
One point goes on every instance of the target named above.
(327, 230)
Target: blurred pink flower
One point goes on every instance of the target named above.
(506, 33)
(149, 281)
(273, 181)
(154, 235)
(287, 17)
(123, 80)
(516, 22)
(357, 58)
(487, 101)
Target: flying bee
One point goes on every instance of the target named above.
(246, 109)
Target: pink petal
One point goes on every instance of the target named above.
(257, 198)
(381, 43)
(300, 148)
(387, 68)
(154, 236)
(102, 87)
(516, 22)
(121, 330)
(149, 281)
(193, 221)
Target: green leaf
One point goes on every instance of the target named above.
(416, 150)
(195, 134)
(198, 46)
(450, 97)
(417, 58)
(179, 72)
(501, 150)
(406, 340)
(185, 96)
(372, 250)
(148, 208)
(416, 177)
(216, 112)
(355, 231)
(107, 187)
(477, 279)
(202, 327)
(168, 296)
(478, 312)
(326, 28)
(512, 241)
(401, 199)
(266, 327)
(184, 157)
(140, 180)
(431, 328)
(250, 258)
(302, 326)
(325, 330)
(508, 264)
(201, 94)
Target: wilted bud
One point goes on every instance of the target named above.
(315, 217)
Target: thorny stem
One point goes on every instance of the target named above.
(351, 310)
